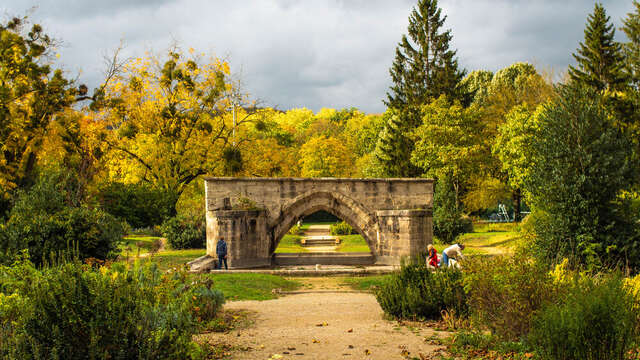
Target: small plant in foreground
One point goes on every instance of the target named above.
(595, 321)
(75, 311)
(417, 292)
(504, 293)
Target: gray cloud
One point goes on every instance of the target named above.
(333, 53)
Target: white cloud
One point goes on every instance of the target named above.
(333, 53)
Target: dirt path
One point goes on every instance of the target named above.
(323, 325)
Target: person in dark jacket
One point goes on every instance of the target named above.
(221, 251)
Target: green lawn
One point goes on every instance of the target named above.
(305, 225)
(249, 286)
(244, 286)
(352, 243)
(487, 239)
(290, 244)
(365, 283)
(169, 259)
(349, 243)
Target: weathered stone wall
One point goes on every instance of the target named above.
(245, 233)
(393, 215)
(405, 233)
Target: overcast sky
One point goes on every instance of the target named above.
(308, 53)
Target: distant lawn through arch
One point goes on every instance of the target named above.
(348, 243)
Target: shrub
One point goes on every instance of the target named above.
(296, 230)
(148, 231)
(466, 224)
(633, 285)
(73, 311)
(504, 293)
(140, 205)
(206, 302)
(341, 228)
(417, 292)
(595, 320)
(184, 232)
(42, 223)
(481, 342)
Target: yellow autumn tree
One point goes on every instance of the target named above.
(169, 123)
(74, 143)
(268, 158)
(32, 93)
(325, 157)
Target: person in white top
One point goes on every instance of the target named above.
(452, 252)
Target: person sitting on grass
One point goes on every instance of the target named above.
(221, 251)
(452, 252)
(432, 257)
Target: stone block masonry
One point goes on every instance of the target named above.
(253, 214)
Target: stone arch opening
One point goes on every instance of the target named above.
(345, 208)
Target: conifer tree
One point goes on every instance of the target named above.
(393, 148)
(600, 58)
(632, 48)
(424, 69)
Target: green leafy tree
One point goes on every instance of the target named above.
(423, 69)
(513, 145)
(140, 205)
(582, 162)
(476, 86)
(518, 85)
(600, 58)
(449, 142)
(44, 223)
(448, 223)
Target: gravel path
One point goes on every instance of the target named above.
(323, 326)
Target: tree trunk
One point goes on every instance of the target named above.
(517, 201)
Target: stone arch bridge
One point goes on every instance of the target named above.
(253, 214)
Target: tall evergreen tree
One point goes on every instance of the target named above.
(424, 69)
(632, 48)
(394, 147)
(600, 58)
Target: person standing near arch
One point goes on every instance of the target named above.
(221, 251)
